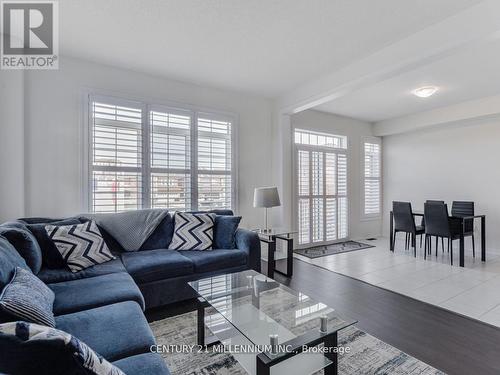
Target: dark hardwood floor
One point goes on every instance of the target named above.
(447, 341)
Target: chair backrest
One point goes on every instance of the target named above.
(422, 223)
(464, 208)
(403, 216)
(436, 219)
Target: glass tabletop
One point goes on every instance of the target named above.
(259, 307)
(274, 232)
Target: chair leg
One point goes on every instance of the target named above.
(425, 246)
(406, 241)
(451, 251)
(421, 236)
(437, 245)
(473, 247)
(442, 244)
(414, 244)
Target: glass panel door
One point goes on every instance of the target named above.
(322, 205)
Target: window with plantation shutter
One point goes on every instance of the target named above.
(321, 187)
(116, 157)
(372, 178)
(170, 149)
(149, 156)
(214, 163)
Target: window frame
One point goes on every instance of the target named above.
(147, 105)
(374, 216)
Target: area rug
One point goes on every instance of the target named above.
(337, 248)
(367, 356)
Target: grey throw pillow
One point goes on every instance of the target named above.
(27, 298)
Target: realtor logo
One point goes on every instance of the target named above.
(30, 37)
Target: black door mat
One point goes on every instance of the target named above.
(337, 248)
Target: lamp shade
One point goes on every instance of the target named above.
(266, 197)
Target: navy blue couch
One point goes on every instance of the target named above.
(103, 305)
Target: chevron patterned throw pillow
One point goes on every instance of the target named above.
(193, 231)
(81, 245)
(75, 357)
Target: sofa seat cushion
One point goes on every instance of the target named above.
(56, 275)
(212, 260)
(114, 331)
(84, 294)
(147, 363)
(152, 265)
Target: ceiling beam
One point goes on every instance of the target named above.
(470, 112)
(472, 26)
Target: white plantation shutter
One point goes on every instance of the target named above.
(170, 159)
(143, 156)
(321, 175)
(116, 157)
(214, 163)
(372, 178)
(342, 208)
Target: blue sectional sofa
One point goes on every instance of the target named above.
(103, 305)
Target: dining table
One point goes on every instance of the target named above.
(463, 219)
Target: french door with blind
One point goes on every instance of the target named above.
(321, 188)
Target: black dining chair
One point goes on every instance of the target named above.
(405, 222)
(465, 208)
(422, 223)
(439, 224)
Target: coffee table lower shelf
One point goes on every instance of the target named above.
(294, 362)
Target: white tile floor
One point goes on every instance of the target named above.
(473, 290)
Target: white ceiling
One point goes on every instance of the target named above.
(468, 74)
(265, 47)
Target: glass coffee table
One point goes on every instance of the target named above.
(266, 326)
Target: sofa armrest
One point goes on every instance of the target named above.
(249, 241)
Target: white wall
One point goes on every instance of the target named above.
(11, 144)
(449, 163)
(355, 130)
(54, 120)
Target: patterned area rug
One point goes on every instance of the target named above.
(367, 355)
(337, 248)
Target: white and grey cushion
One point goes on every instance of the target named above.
(81, 245)
(26, 297)
(193, 231)
(84, 356)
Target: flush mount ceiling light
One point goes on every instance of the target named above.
(425, 92)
